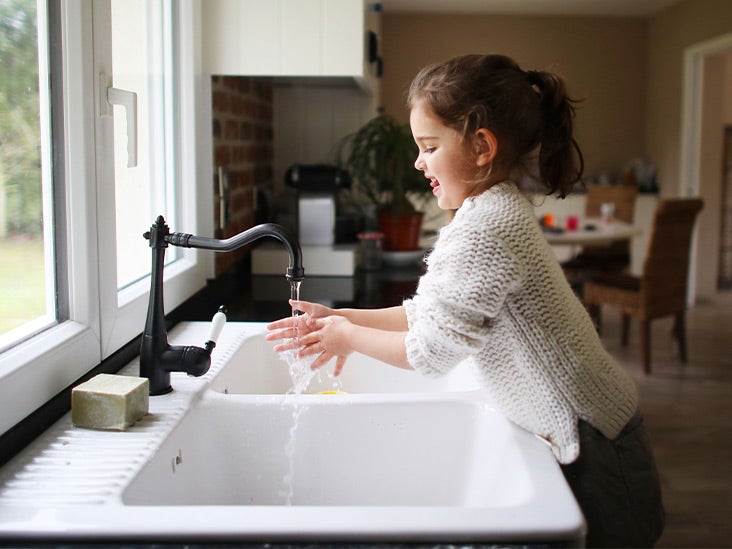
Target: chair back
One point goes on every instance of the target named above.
(666, 265)
(623, 196)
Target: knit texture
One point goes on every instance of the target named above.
(494, 293)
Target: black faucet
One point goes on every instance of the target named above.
(157, 357)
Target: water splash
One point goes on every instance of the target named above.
(299, 368)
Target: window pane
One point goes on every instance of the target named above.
(142, 63)
(26, 252)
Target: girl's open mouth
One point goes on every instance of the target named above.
(435, 185)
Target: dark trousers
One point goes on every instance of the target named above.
(617, 487)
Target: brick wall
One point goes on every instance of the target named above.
(243, 145)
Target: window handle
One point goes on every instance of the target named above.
(128, 100)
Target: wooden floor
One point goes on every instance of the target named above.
(688, 411)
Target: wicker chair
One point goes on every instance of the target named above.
(613, 257)
(661, 289)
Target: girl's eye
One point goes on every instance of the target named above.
(429, 149)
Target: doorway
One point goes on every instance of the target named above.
(724, 275)
(707, 81)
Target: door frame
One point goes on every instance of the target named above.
(691, 129)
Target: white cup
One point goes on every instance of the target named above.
(607, 212)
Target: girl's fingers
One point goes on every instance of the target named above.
(304, 306)
(316, 323)
(286, 346)
(340, 363)
(281, 334)
(279, 324)
(309, 350)
(314, 333)
(321, 360)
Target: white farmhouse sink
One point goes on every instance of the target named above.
(398, 459)
(254, 368)
(396, 467)
(345, 450)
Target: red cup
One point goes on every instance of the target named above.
(572, 222)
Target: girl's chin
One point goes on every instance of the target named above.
(443, 202)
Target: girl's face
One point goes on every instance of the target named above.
(445, 158)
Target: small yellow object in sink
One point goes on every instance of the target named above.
(332, 393)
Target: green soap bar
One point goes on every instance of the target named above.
(109, 402)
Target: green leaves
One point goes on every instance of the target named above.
(20, 172)
(380, 157)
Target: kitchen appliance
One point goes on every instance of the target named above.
(323, 231)
(317, 186)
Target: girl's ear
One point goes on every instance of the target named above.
(485, 147)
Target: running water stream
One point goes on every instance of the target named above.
(301, 375)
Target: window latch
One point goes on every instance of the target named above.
(127, 100)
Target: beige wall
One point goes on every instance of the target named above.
(670, 33)
(602, 60)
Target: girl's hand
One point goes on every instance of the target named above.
(292, 327)
(328, 338)
(297, 331)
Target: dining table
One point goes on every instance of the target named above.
(591, 232)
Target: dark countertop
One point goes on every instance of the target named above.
(250, 298)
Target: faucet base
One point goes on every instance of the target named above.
(158, 392)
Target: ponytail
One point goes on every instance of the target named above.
(560, 159)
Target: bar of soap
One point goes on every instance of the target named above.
(110, 402)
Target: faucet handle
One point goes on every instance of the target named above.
(217, 324)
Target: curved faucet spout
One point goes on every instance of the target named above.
(295, 270)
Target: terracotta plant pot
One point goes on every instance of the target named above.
(401, 231)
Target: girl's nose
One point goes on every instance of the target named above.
(419, 164)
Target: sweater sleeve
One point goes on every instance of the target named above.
(470, 273)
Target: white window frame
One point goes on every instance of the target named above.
(101, 321)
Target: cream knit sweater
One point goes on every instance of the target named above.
(495, 294)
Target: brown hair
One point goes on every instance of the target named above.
(524, 109)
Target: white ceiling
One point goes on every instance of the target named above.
(620, 8)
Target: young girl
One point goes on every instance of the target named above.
(494, 294)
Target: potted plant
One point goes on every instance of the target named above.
(380, 158)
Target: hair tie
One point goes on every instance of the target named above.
(533, 77)
(536, 82)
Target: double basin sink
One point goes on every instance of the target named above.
(379, 454)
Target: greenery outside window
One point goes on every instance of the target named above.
(27, 282)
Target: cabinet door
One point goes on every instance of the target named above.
(343, 40)
(240, 37)
(284, 37)
(300, 37)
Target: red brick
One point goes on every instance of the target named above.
(231, 82)
(231, 130)
(220, 101)
(222, 155)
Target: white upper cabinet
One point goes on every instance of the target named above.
(324, 38)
